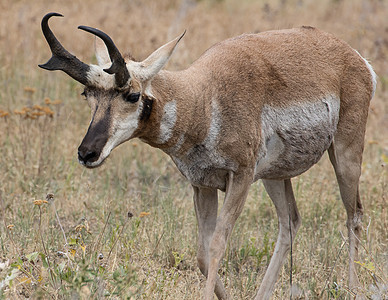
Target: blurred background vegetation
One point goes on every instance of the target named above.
(78, 240)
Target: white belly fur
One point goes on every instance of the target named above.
(295, 138)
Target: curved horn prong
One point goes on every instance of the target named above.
(61, 59)
(118, 66)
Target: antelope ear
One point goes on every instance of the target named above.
(149, 67)
(101, 52)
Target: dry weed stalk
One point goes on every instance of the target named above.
(48, 258)
(129, 216)
(7, 227)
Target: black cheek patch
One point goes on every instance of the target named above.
(147, 107)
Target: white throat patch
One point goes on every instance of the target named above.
(215, 126)
(168, 122)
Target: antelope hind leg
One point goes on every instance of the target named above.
(281, 194)
(347, 166)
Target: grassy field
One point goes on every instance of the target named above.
(128, 229)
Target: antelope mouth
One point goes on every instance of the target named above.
(92, 165)
(91, 160)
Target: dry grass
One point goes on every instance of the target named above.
(152, 254)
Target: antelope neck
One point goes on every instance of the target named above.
(174, 113)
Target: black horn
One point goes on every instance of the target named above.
(118, 66)
(61, 59)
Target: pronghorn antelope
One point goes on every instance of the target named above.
(258, 106)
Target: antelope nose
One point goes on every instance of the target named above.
(86, 155)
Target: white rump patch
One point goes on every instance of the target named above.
(167, 122)
(372, 72)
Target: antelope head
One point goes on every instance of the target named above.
(115, 89)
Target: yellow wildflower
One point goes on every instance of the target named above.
(79, 227)
(25, 280)
(144, 214)
(83, 247)
(56, 102)
(47, 110)
(40, 202)
(19, 112)
(29, 89)
(72, 252)
(3, 113)
(38, 113)
(47, 100)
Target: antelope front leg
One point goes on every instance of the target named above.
(206, 208)
(236, 193)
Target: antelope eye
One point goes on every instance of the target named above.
(131, 97)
